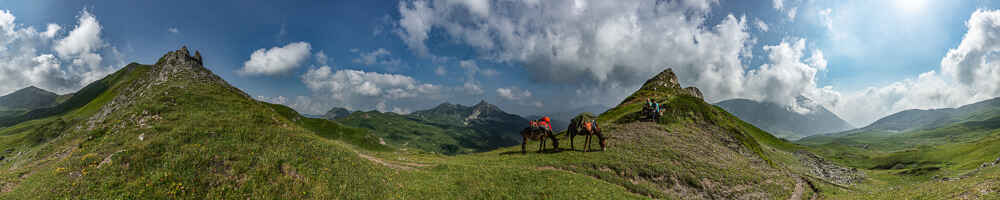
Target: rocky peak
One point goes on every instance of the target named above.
(485, 107)
(665, 79)
(180, 64)
(662, 85)
(176, 69)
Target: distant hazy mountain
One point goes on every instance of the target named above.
(447, 128)
(28, 98)
(916, 119)
(972, 128)
(336, 113)
(784, 122)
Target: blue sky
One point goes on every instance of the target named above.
(860, 59)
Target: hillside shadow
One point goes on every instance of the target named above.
(546, 151)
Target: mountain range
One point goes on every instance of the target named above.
(448, 128)
(785, 122)
(916, 119)
(175, 130)
(913, 127)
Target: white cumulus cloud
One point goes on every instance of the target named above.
(83, 39)
(968, 74)
(602, 44)
(43, 59)
(276, 60)
(361, 89)
(513, 93)
(787, 75)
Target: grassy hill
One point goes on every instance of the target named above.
(175, 130)
(948, 159)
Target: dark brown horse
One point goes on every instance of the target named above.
(581, 125)
(537, 133)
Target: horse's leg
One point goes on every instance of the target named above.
(555, 142)
(586, 145)
(541, 145)
(603, 140)
(523, 144)
(571, 135)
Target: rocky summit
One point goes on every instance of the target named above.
(664, 84)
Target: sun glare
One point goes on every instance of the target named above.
(910, 6)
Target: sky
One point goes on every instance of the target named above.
(862, 60)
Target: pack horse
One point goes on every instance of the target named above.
(538, 130)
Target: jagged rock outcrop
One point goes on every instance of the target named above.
(665, 79)
(693, 91)
(482, 110)
(175, 69)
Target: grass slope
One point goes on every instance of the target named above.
(169, 132)
(920, 163)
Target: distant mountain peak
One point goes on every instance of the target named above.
(30, 97)
(482, 102)
(336, 113)
(483, 105)
(783, 120)
(32, 88)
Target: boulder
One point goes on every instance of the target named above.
(693, 91)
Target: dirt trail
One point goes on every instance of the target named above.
(398, 165)
(799, 189)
